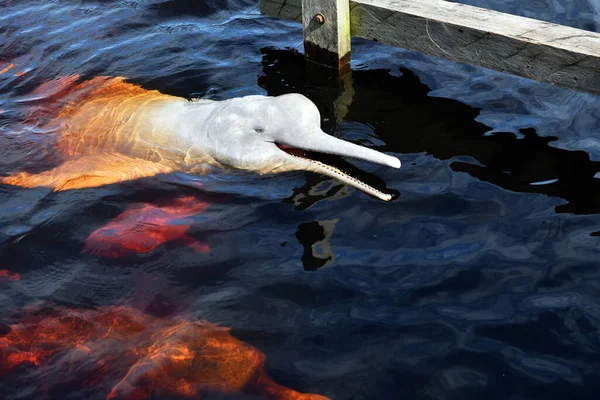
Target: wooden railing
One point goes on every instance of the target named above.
(526, 47)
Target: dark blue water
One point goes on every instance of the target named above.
(481, 280)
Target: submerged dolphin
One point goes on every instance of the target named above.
(143, 356)
(111, 131)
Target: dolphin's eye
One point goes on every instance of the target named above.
(258, 130)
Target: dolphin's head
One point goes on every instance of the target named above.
(274, 134)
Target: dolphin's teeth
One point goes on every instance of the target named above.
(342, 176)
(353, 179)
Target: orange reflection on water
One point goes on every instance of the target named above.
(6, 275)
(143, 227)
(141, 355)
(7, 68)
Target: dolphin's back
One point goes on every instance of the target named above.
(105, 115)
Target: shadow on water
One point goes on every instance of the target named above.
(314, 237)
(407, 120)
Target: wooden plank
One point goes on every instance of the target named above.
(522, 46)
(282, 9)
(326, 25)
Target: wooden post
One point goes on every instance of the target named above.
(326, 26)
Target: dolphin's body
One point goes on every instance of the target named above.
(112, 131)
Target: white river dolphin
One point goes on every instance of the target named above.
(108, 130)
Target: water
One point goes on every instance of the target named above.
(480, 280)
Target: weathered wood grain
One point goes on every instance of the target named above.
(326, 26)
(282, 9)
(522, 46)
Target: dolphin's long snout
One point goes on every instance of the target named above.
(324, 143)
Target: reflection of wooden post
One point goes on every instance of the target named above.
(327, 32)
(332, 90)
(345, 96)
